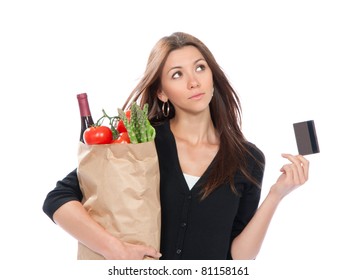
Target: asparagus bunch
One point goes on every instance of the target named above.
(138, 127)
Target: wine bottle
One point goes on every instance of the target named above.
(86, 116)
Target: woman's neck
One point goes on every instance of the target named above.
(194, 130)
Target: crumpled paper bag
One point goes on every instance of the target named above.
(120, 185)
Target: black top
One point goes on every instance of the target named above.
(191, 228)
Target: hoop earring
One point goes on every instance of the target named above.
(166, 111)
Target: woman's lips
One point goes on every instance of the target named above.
(197, 96)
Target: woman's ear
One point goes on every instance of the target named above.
(162, 96)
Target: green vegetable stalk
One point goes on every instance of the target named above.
(139, 128)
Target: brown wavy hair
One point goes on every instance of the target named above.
(225, 109)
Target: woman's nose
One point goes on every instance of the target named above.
(193, 82)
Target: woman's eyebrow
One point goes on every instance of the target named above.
(179, 67)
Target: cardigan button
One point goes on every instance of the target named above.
(178, 251)
(183, 224)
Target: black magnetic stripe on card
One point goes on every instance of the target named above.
(313, 136)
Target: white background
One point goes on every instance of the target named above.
(290, 61)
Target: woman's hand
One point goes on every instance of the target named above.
(126, 251)
(293, 175)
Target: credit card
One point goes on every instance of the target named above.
(306, 138)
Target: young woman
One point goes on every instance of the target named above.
(210, 175)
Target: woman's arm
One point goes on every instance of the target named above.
(248, 243)
(74, 219)
(63, 206)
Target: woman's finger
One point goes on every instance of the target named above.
(300, 167)
(288, 172)
(153, 253)
(305, 165)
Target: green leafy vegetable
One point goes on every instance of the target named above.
(139, 128)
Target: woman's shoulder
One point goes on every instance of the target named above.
(254, 152)
(163, 137)
(162, 128)
(159, 124)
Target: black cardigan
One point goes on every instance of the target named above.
(191, 228)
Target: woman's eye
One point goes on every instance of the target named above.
(176, 75)
(201, 67)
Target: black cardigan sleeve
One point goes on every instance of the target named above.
(250, 195)
(66, 190)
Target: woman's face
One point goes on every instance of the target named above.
(186, 80)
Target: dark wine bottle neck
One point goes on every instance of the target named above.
(84, 107)
(86, 116)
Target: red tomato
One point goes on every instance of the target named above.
(121, 127)
(123, 138)
(95, 135)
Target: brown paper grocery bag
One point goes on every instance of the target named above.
(120, 185)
